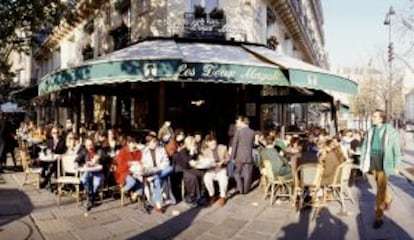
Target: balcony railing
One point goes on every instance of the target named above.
(300, 16)
(204, 27)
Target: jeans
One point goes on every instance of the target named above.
(158, 180)
(133, 184)
(92, 181)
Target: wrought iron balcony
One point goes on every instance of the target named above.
(205, 27)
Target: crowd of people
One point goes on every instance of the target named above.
(167, 158)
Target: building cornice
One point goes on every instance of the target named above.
(291, 19)
(84, 9)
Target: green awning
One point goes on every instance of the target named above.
(110, 72)
(166, 60)
(306, 75)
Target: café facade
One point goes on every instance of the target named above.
(199, 85)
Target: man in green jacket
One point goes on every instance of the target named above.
(380, 154)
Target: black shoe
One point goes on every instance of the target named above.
(88, 205)
(378, 224)
(44, 184)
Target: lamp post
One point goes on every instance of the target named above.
(388, 100)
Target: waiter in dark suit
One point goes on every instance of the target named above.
(241, 152)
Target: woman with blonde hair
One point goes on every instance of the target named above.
(330, 156)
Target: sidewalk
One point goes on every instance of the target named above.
(35, 213)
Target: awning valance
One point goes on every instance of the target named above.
(168, 60)
(306, 75)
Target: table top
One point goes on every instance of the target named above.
(94, 168)
(48, 158)
(202, 164)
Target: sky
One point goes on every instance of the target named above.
(355, 30)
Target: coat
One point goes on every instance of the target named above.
(391, 148)
(242, 146)
(122, 167)
(161, 159)
(59, 147)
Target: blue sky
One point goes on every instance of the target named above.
(355, 30)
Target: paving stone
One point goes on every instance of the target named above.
(227, 228)
(217, 217)
(92, 233)
(42, 215)
(208, 236)
(195, 230)
(60, 236)
(246, 234)
(53, 226)
(271, 213)
(263, 227)
(122, 226)
(146, 220)
(8, 209)
(68, 212)
(14, 229)
(94, 219)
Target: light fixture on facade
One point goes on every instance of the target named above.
(198, 103)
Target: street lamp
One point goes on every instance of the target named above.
(388, 100)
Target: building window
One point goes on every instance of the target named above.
(120, 36)
(87, 52)
(143, 6)
(209, 5)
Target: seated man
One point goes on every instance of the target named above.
(279, 164)
(219, 154)
(157, 164)
(91, 179)
(128, 154)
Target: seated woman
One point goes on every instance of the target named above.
(192, 177)
(157, 164)
(330, 156)
(126, 155)
(279, 164)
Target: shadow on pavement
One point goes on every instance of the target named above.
(172, 227)
(365, 219)
(326, 226)
(14, 204)
(402, 184)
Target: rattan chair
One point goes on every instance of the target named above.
(278, 186)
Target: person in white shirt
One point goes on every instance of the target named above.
(218, 154)
(156, 164)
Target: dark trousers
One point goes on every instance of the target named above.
(243, 176)
(192, 183)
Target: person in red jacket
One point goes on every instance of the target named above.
(125, 158)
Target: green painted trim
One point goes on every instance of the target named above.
(232, 73)
(322, 81)
(159, 70)
(110, 72)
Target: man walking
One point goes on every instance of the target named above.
(380, 154)
(241, 152)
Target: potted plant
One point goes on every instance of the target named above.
(217, 13)
(199, 11)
